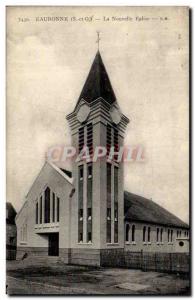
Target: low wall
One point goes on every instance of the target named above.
(146, 261)
(89, 257)
(31, 251)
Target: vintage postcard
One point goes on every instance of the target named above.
(97, 150)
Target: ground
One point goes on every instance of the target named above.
(56, 278)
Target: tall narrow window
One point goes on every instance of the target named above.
(47, 205)
(127, 233)
(157, 234)
(81, 138)
(53, 212)
(41, 209)
(177, 233)
(168, 234)
(80, 205)
(116, 146)
(89, 202)
(148, 234)
(161, 235)
(108, 138)
(90, 137)
(133, 233)
(115, 204)
(171, 235)
(37, 210)
(58, 209)
(108, 234)
(144, 233)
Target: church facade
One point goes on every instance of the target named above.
(81, 214)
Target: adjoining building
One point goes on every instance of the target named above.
(80, 215)
(11, 232)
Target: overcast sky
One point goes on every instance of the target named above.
(147, 62)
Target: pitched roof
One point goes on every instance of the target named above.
(137, 208)
(68, 173)
(97, 83)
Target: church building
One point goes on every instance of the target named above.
(79, 216)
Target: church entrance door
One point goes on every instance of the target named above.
(53, 247)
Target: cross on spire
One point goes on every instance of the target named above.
(98, 39)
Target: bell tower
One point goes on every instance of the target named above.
(97, 208)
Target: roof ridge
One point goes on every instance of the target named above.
(152, 212)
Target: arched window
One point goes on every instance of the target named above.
(37, 210)
(133, 233)
(168, 234)
(127, 233)
(40, 210)
(171, 235)
(58, 209)
(144, 233)
(47, 205)
(157, 234)
(161, 235)
(148, 234)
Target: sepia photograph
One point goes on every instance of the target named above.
(97, 150)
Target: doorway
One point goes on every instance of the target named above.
(53, 247)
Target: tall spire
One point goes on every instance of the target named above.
(97, 83)
(98, 40)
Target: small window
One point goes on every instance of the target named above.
(58, 209)
(116, 146)
(116, 215)
(127, 233)
(37, 211)
(89, 236)
(81, 138)
(148, 234)
(144, 233)
(177, 233)
(171, 235)
(81, 212)
(53, 213)
(41, 210)
(133, 233)
(157, 234)
(89, 213)
(80, 237)
(81, 173)
(47, 206)
(168, 234)
(161, 235)
(108, 214)
(108, 138)
(89, 171)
